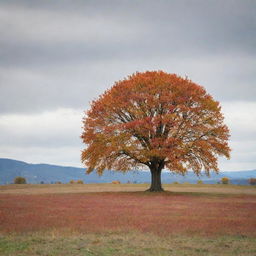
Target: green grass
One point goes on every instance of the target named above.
(132, 243)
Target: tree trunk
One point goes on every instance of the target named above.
(156, 185)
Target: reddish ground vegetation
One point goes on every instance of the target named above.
(163, 213)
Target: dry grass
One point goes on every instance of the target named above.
(158, 213)
(84, 188)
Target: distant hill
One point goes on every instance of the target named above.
(36, 173)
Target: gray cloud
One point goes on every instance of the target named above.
(38, 89)
(183, 28)
(58, 128)
(50, 53)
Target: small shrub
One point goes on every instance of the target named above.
(252, 181)
(225, 180)
(116, 182)
(80, 182)
(58, 182)
(199, 182)
(175, 182)
(186, 183)
(72, 182)
(20, 180)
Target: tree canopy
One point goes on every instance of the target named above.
(158, 120)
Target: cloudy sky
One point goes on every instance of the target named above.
(57, 56)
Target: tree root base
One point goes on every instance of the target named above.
(154, 190)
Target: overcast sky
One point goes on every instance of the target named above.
(57, 56)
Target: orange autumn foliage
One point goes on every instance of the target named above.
(225, 180)
(116, 182)
(155, 119)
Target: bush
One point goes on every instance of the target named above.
(116, 182)
(80, 182)
(200, 182)
(20, 180)
(252, 181)
(175, 182)
(225, 180)
(72, 182)
(58, 182)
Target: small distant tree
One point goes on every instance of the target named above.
(72, 182)
(58, 182)
(80, 182)
(175, 183)
(20, 180)
(252, 181)
(42, 182)
(225, 180)
(199, 182)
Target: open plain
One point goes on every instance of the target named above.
(113, 219)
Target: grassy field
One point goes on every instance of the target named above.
(107, 219)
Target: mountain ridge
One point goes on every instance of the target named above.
(48, 173)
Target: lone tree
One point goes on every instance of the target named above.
(157, 120)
